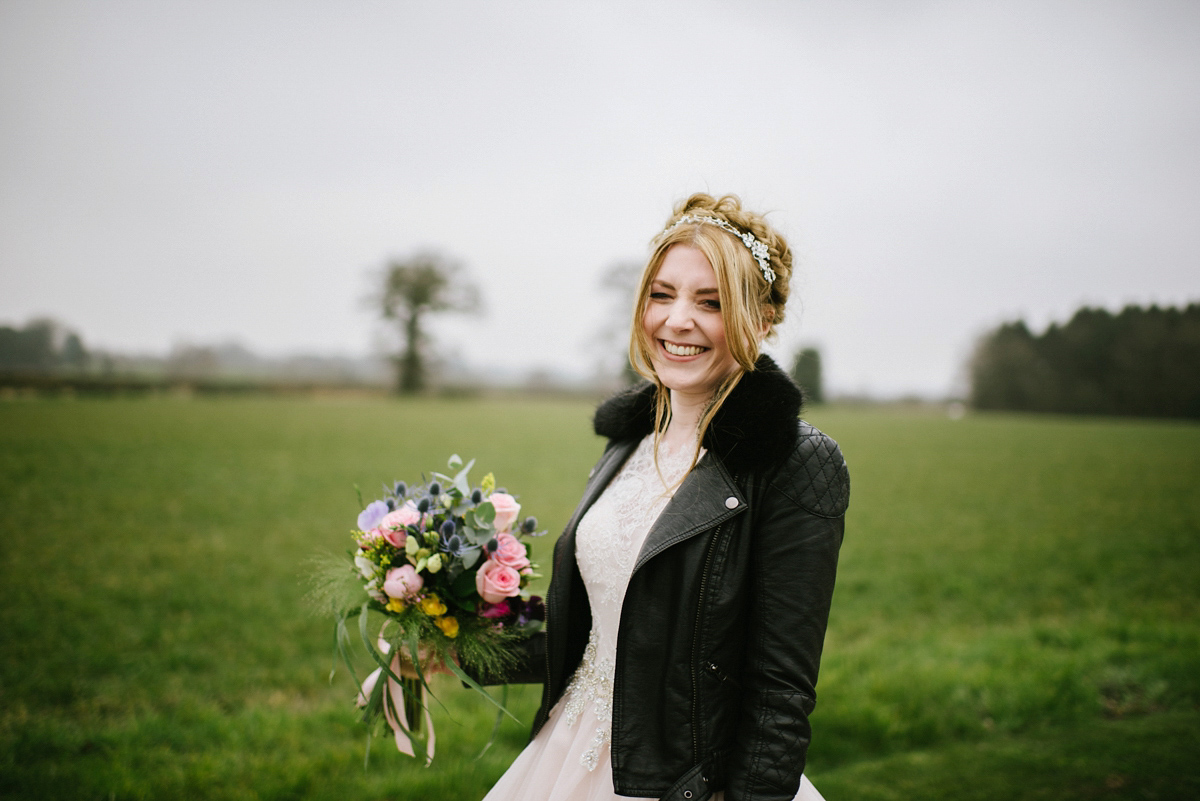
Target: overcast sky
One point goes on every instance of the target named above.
(214, 171)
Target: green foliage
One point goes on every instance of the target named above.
(806, 371)
(1014, 616)
(333, 586)
(1142, 362)
(42, 346)
(425, 283)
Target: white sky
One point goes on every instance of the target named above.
(206, 171)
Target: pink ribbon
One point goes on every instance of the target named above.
(393, 709)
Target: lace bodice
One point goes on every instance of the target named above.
(608, 540)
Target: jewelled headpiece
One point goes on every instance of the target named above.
(757, 249)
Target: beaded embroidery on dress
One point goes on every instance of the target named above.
(607, 544)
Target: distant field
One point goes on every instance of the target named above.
(1016, 613)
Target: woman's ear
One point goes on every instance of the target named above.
(767, 318)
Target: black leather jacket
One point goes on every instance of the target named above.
(725, 613)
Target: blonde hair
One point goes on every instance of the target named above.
(751, 307)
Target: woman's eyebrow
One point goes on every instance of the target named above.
(668, 285)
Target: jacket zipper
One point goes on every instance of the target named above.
(721, 674)
(712, 546)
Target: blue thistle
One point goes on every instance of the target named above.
(477, 496)
(529, 525)
(455, 545)
(400, 490)
(423, 505)
(435, 489)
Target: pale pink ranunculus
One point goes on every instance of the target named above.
(509, 551)
(507, 510)
(402, 582)
(495, 582)
(391, 528)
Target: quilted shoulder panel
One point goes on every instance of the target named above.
(816, 476)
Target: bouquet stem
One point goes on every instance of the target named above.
(414, 704)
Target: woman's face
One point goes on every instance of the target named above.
(683, 321)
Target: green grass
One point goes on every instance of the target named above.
(1016, 612)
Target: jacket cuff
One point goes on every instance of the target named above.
(530, 669)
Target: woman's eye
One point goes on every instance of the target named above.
(711, 304)
(659, 296)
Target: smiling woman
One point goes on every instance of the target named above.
(687, 609)
(684, 324)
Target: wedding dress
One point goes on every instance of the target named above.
(569, 760)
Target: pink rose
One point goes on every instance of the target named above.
(510, 552)
(391, 528)
(507, 510)
(495, 582)
(402, 582)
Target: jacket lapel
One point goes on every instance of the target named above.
(705, 499)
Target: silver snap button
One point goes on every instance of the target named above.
(731, 502)
(687, 793)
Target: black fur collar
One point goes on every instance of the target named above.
(755, 428)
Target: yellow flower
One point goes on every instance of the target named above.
(448, 625)
(395, 605)
(433, 607)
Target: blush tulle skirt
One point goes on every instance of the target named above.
(555, 765)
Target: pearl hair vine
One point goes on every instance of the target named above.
(757, 249)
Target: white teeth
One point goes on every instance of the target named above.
(682, 350)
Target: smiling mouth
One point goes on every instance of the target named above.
(681, 350)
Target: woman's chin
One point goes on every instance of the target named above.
(684, 379)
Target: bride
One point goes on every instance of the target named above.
(691, 588)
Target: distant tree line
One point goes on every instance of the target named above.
(47, 355)
(1140, 361)
(42, 346)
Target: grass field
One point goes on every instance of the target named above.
(1016, 612)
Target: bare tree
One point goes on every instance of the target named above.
(422, 284)
(619, 282)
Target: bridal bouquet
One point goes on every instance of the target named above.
(445, 565)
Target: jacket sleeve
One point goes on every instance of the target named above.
(795, 542)
(531, 669)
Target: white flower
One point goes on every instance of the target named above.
(365, 566)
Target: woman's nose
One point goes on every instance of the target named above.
(679, 316)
